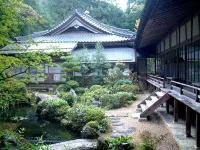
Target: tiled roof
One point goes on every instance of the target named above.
(89, 37)
(109, 33)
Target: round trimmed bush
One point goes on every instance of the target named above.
(95, 87)
(72, 84)
(67, 96)
(93, 124)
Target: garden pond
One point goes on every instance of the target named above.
(24, 117)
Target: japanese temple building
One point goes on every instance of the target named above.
(169, 31)
(77, 30)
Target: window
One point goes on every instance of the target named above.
(188, 25)
(167, 43)
(174, 42)
(182, 34)
(195, 26)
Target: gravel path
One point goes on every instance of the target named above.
(155, 125)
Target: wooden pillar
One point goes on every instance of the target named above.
(167, 107)
(175, 110)
(197, 130)
(188, 121)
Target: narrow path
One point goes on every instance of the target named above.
(118, 128)
(130, 126)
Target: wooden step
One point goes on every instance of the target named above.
(149, 103)
(144, 107)
(160, 94)
(154, 99)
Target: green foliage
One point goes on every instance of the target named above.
(80, 90)
(12, 92)
(115, 74)
(100, 63)
(117, 100)
(79, 115)
(95, 87)
(129, 88)
(94, 93)
(110, 101)
(67, 96)
(121, 142)
(69, 66)
(52, 109)
(12, 140)
(72, 84)
(147, 141)
(18, 18)
(123, 82)
(87, 98)
(93, 124)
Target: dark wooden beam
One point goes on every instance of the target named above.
(167, 107)
(175, 110)
(197, 131)
(188, 122)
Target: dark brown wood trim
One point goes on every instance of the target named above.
(188, 122)
(197, 130)
(175, 110)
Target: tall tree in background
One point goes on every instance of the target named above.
(106, 12)
(18, 18)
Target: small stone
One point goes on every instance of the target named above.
(89, 133)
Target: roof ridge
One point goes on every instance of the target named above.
(90, 20)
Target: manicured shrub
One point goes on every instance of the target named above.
(120, 99)
(93, 124)
(104, 125)
(80, 90)
(72, 84)
(86, 98)
(95, 87)
(129, 88)
(52, 109)
(110, 101)
(67, 96)
(125, 97)
(79, 115)
(124, 82)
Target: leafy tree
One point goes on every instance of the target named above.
(69, 66)
(99, 60)
(104, 11)
(85, 62)
(16, 19)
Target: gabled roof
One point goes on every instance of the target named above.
(80, 19)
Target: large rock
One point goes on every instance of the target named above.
(89, 133)
(80, 144)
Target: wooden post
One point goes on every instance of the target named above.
(197, 95)
(188, 121)
(167, 106)
(175, 110)
(197, 130)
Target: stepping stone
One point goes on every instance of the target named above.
(114, 135)
(114, 118)
(117, 124)
(110, 115)
(114, 121)
(122, 115)
(123, 130)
